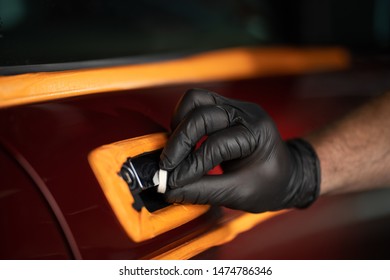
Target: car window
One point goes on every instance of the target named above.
(57, 31)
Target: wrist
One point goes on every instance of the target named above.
(307, 176)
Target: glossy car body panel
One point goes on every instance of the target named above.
(54, 139)
(61, 135)
(353, 226)
(28, 227)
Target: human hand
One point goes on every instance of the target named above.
(261, 171)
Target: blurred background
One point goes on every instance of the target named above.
(47, 31)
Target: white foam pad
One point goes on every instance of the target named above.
(162, 178)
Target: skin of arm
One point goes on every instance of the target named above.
(354, 152)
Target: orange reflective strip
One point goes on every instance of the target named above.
(106, 161)
(221, 235)
(217, 65)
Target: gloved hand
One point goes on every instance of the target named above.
(261, 171)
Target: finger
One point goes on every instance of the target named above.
(192, 99)
(232, 143)
(220, 190)
(200, 122)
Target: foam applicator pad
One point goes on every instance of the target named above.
(163, 178)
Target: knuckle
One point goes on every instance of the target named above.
(200, 96)
(194, 94)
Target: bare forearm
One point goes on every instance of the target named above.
(355, 151)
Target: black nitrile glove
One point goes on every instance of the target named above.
(261, 171)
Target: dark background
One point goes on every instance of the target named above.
(46, 31)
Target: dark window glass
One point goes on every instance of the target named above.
(46, 31)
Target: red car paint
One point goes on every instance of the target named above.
(52, 206)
